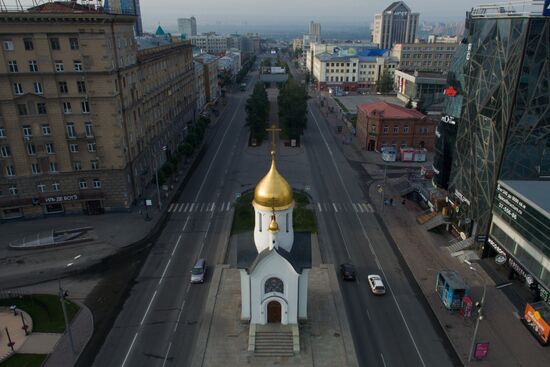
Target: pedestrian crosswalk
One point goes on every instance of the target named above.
(199, 207)
(344, 207)
(225, 206)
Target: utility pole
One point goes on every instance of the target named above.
(64, 307)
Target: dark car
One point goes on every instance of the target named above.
(347, 271)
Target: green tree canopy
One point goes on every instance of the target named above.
(385, 83)
(292, 103)
(257, 112)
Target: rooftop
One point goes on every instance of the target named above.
(62, 7)
(390, 111)
(536, 193)
(521, 8)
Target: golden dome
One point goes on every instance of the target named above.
(273, 191)
(273, 226)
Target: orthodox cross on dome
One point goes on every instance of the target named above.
(272, 130)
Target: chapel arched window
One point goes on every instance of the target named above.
(274, 285)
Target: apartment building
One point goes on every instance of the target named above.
(210, 66)
(85, 117)
(211, 43)
(424, 56)
(187, 26)
(396, 24)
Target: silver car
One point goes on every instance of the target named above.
(376, 284)
(198, 272)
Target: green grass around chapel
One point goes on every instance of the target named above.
(24, 360)
(45, 311)
(243, 221)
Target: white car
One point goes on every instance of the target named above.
(376, 284)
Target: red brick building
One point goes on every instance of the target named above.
(382, 124)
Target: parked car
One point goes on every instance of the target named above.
(347, 271)
(198, 272)
(376, 284)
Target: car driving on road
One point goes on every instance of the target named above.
(376, 284)
(347, 272)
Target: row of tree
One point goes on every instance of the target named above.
(292, 103)
(257, 112)
(245, 68)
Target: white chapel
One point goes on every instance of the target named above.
(273, 269)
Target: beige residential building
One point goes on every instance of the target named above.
(211, 43)
(424, 56)
(84, 115)
(210, 70)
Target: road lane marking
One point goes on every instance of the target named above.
(170, 208)
(354, 207)
(164, 272)
(181, 208)
(228, 205)
(326, 206)
(148, 307)
(368, 314)
(213, 207)
(383, 361)
(377, 263)
(337, 169)
(335, 208)
(186, 206)
(202, 206)
(371, 208)
(191, 208)
(166, 355)
(179, 238)
(129, 350)
(319, 205)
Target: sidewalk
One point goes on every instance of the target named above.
(511, 344)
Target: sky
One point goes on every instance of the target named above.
(249, 13)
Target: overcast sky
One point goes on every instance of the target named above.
(291, 12)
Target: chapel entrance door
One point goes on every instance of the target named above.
(274, 312)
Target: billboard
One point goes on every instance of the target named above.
(546, 10)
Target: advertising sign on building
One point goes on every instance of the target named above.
(546, 10)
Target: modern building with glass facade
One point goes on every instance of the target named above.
(520, 232)
(496, 125)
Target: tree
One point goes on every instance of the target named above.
(292, 103)
(385, 83)
(257, 112)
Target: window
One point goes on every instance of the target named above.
(41, 107)
(77, 166)
(5, 151)
(27, 131)
(35, 168)
(94, 164)
(73, 148)
(54, 43)
(77, 65)
(59, 66)
(41, 188)
(373, 128)
(28, 44)
(274, 285)
(395, 129)
(83, 184)
(386, 129)
(63, 87)
(33, 66)
(85, 107)
(406, 129)
(81, 86)
(67, 108)
(73, 43)
(22, 109)
(56, 186)
(49, 148)
(91, 147)
(17, 88)
(89, 129)
(53, 167)
(13, 190)
(2, 132)
(71, 132)
(8, 45)
(12, 64)
(10, 170)
(46, 130)
(38, 88)
(31, 149)
(96, 183)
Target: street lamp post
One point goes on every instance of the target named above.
(480, 313)
(164, 148)
(62, 295)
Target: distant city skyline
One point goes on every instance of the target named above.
(244, 15)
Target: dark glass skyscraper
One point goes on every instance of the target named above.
(497, 124)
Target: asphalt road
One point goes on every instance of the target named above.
(391, 330)
(159, 321)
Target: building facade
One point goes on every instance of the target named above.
(314, 32)
(199, 85)
(210, 70)
(187, 27)
(396, 24)
(498, 108)
(519, 232)
(423, 88)
(127, 7)
(211, 43)
(381, 124)
(83, 114)
(424, 56)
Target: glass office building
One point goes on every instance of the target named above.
(501, 111)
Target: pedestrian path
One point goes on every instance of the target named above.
(360, 207)
(223, 206)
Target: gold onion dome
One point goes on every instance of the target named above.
(273, 191)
